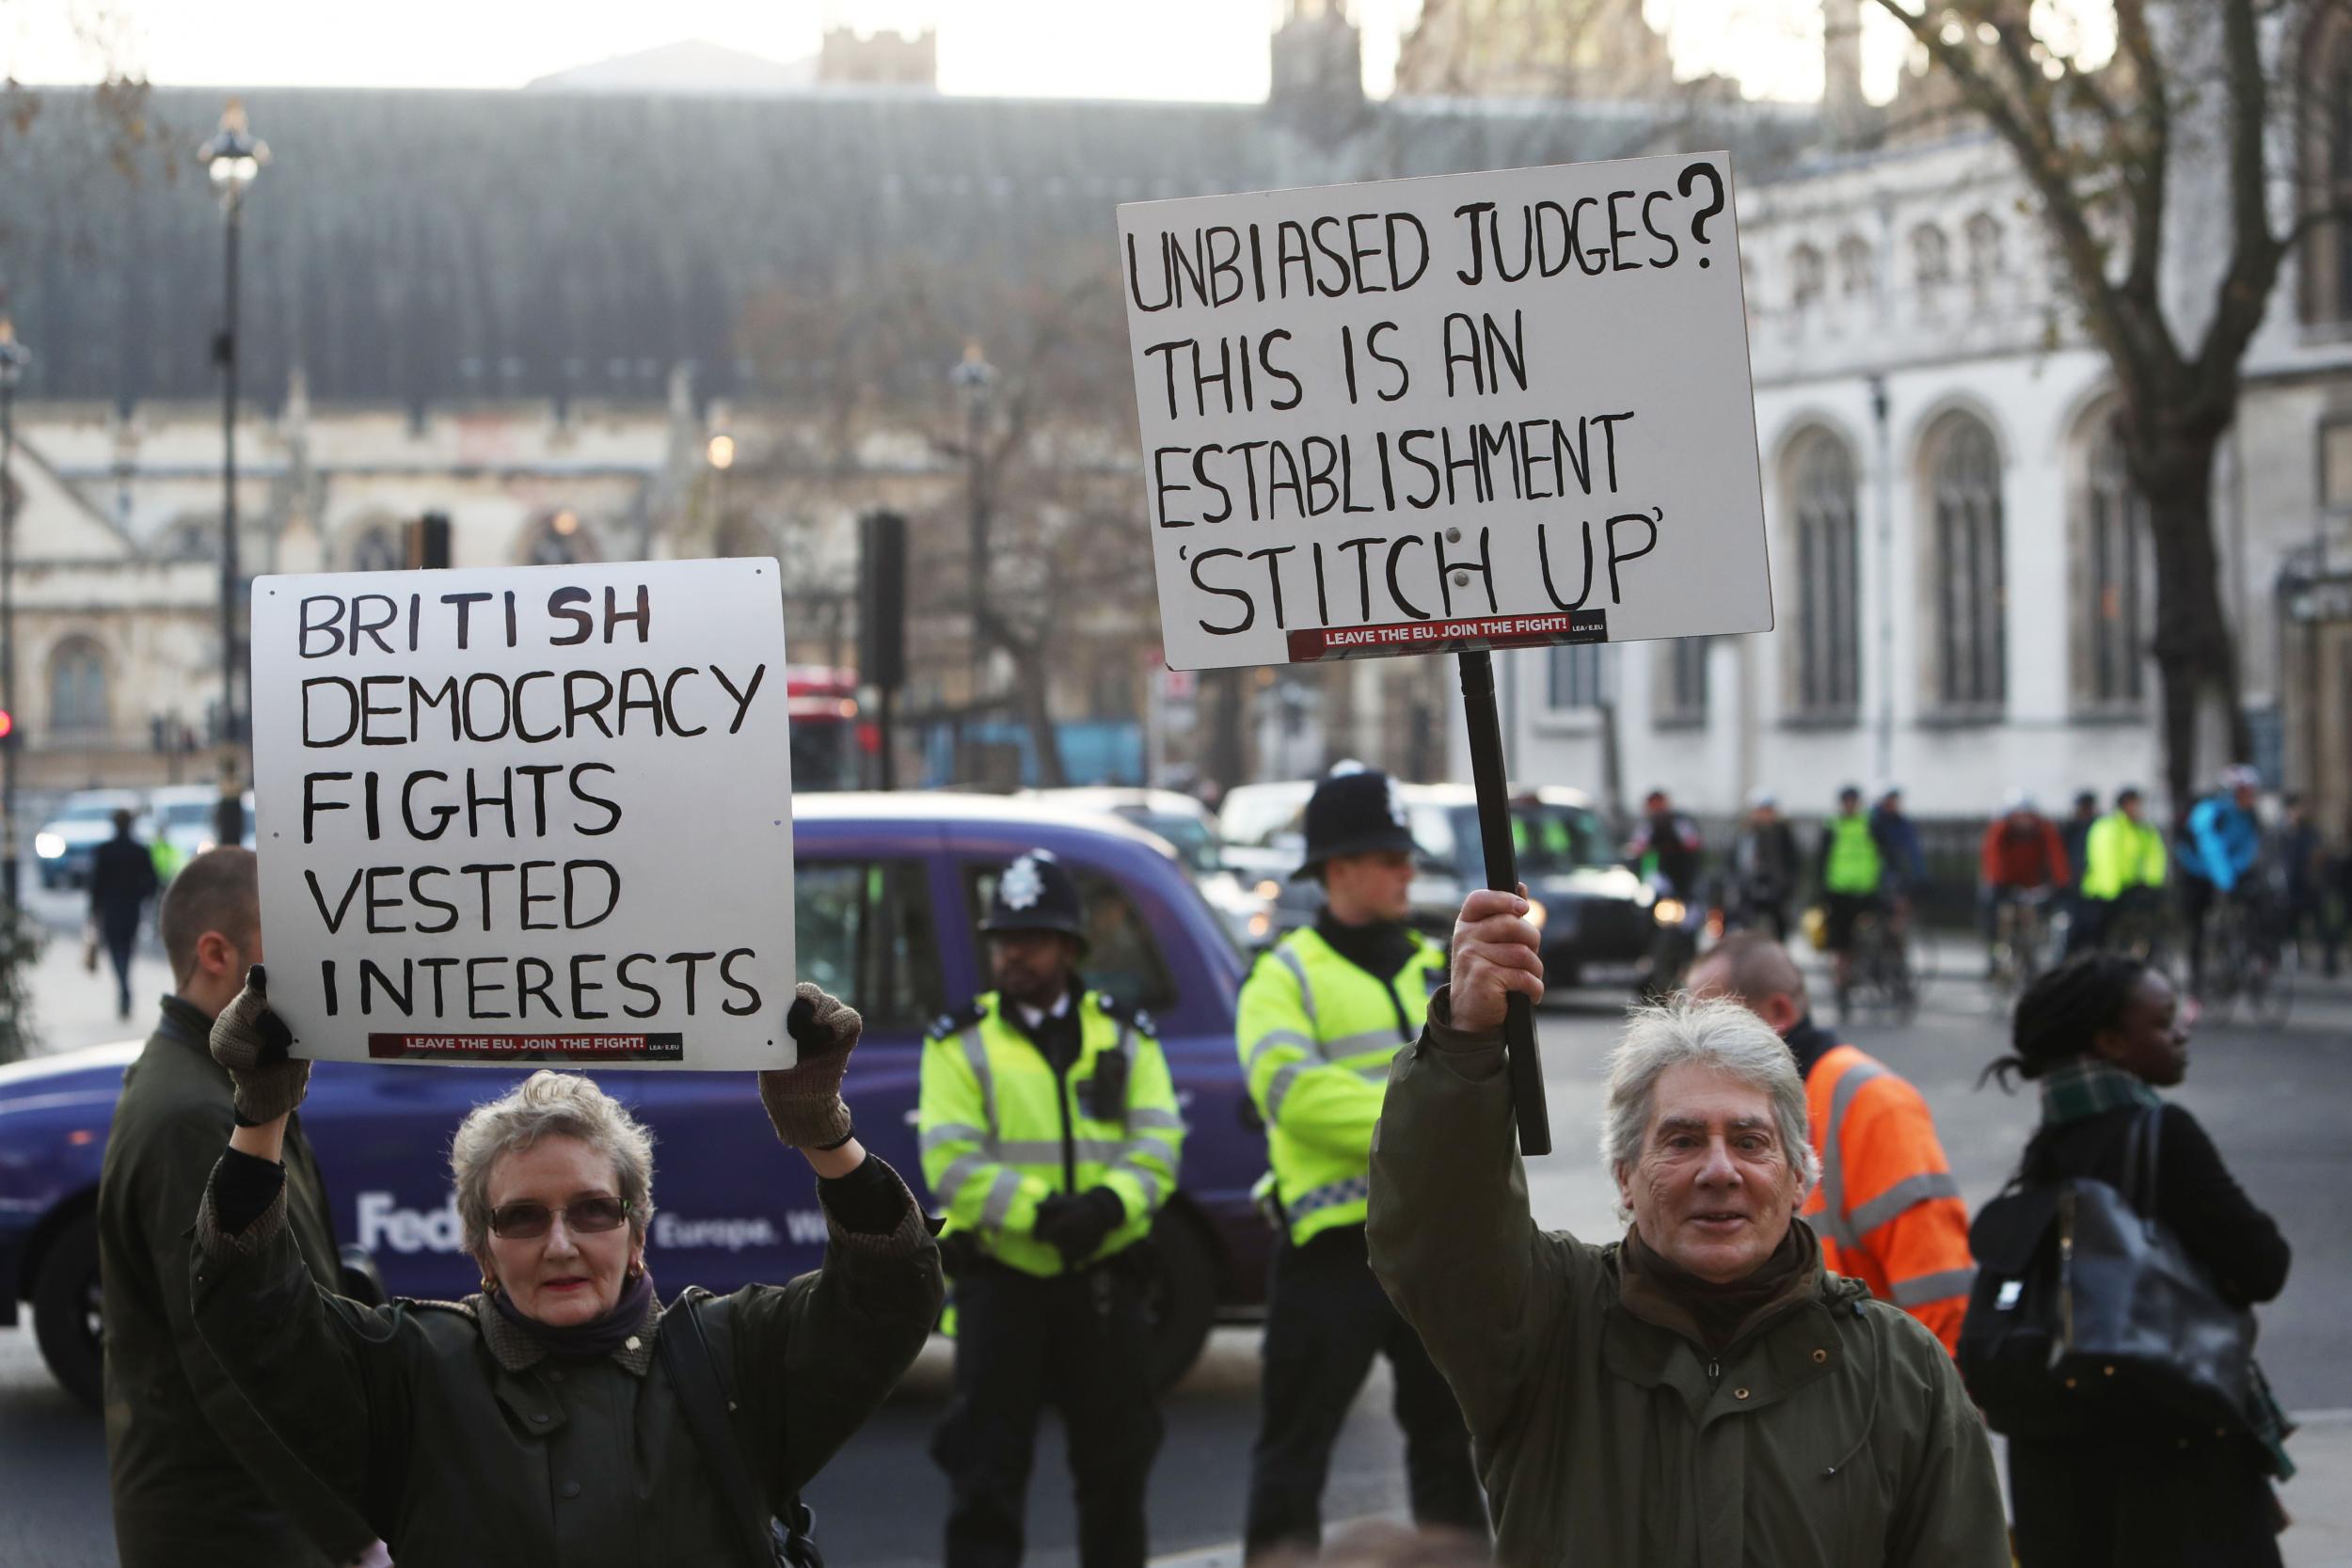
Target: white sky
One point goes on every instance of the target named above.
(1192, 48)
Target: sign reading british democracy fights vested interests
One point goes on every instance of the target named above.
(538, 813)
(1479, 410)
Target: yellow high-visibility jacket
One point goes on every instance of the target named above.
(1001, 1130)
(1316, 1034)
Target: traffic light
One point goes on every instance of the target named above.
(8, 727)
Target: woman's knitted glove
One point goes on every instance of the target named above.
(804, 1101)
(252, 1042)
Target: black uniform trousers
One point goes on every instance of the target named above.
(1327, 1317)
(1082, 1342)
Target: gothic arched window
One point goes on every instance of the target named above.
(2112, 594)
(77, 687)
(1985, 260)
(1857, 267)
(1825, 664)
(1931, 261)
(1965, 563)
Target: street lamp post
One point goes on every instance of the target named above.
(973, 375)
(234, 158)
(13, 362)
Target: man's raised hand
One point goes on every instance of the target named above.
(1496, 952)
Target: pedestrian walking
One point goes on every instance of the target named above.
(196, 1476)
(1321, 1015)
(122, 881)
(1887, 1208)
(563, 1417)
(1051, 1138)
(1764, 868)
(1704, 1391)
(2100, 1037)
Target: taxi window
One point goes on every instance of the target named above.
(1123, 960)
(862, 930)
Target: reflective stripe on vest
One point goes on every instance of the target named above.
(1832, 1149)
(1354, 1022)
(1083, 1149)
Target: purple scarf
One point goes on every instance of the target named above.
(598, 1335)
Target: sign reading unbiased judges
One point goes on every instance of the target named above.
(1472, 411)
(531, 815)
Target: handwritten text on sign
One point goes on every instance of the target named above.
(1476, 410)
(531, 815)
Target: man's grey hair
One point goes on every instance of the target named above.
(1721, 1036)
(549, 1104)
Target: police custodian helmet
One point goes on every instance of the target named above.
(1354, 810)
(1037, 893)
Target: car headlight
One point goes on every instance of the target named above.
(203, 845)
(1268, 890)
(1259, 923)
(1536, 913)
(48, 846)
(1669, 912)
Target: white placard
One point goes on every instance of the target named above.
(1477, 410)
(535, 813)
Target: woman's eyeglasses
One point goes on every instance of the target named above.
(528, 1221)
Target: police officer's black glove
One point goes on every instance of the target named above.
(1075, 1225)
(252, 1042)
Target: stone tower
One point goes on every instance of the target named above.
(1843, 108)
(1318, 80)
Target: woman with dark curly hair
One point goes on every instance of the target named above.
(2101, 1036)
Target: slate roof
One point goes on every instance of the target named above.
(408, 247)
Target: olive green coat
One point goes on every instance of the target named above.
(196, 1478)
(463, 1442)
(1834, 1434)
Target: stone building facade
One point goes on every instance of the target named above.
(1963, 586)
(533, 310)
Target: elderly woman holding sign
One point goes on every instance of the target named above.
(562, 1415)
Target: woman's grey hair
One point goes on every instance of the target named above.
(1721, 1036)
(546, 1104)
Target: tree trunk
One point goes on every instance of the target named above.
(2196, 651)
(1029, 670)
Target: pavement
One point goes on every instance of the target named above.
(2274, 1104)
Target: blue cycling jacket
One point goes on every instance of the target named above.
(2224, 841)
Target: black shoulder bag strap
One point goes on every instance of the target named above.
(694, 1373)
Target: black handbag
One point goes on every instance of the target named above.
(2086, 1305)
(784, 1543)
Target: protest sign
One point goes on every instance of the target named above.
(1472, 411)
(533, 814)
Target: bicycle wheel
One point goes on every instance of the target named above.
(2270, 991)
(2228, 963)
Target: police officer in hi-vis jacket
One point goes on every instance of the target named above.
(1321, 1015)
(1050, 1137)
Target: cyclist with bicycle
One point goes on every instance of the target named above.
(2023, 861)
(1853, 874)
(2124, 869)
(2219, 851)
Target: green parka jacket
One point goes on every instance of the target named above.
(196, 1478)
(464, 1444)
(1834, 1434)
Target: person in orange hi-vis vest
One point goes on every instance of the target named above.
(1886, 1208)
